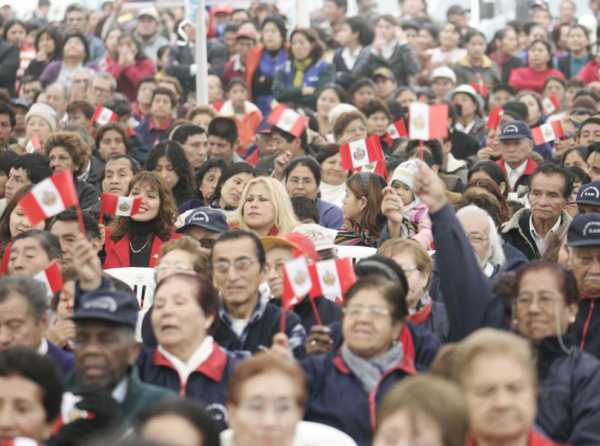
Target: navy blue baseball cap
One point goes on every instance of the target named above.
(212, 220)
(584, 231)
(514, 130)
(589, 194)
(117, 307)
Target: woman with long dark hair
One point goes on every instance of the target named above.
(136, 240)
(167, 159)
(75, 54)
(131, 66)
(48, 46)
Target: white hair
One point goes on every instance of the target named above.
(495, 254)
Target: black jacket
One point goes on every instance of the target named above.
(9, 64)
(182, 57)
(568, 402)
(403, 62)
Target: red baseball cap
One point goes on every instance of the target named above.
(300, 244)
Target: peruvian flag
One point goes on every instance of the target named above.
(361, 153)
(34, 145)
(397, 129)
(19, 441)
(378, 168)
(51, 277)
(119, 206)
(428, 121)
(50, 197)
(547, 132)
(550, 104)
(296, 281)
(287, 120)
(103, 115)
(494, 118)
(332, 278)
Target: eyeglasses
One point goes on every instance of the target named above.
(370, 310)
(305, 181)
(241, 265)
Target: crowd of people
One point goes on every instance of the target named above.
(467, 315)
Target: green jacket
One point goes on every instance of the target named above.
(466, 74)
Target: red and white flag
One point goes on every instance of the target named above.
(361, 153)
(51, 277)
(34, 145)
(120, 206)
(288, 120)
(397, 129)
(50, 197)
(428, 121)
(19, 441)
(332, 278)
(494, 118)
(103, 115)
(296, 281)
(378, 168)
(550, 104)
(547, 132)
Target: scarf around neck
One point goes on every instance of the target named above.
(300, 67)
(370, 371)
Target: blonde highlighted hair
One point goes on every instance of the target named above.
(285, 219)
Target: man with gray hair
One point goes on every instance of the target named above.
(81, 84)
(24, 320)
(103, 88)
(56, 96)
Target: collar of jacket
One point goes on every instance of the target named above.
(213, 367)
(531, 166)
(258, 312)
(487, 62)
(406, 364)
(549, 350)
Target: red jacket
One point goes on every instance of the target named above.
(525, 78)
(590, 72)
(117, 253)
(535, 439)
(252, 61)
(128, 78)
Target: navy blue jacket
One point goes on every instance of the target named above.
(208, 383)
(146, 136)
(336, 396)
(330, 215)
(329, 311)
(263, 325)
(465, 289)
(568, 403)
(586, 329)
(418, 342)
(62, 358)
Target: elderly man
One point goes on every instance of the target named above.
(247, 321)
(31, 252)
(106, 349)
(516, 146)
(103, 88)
(24, 320)
(529, 228)
(56, 96)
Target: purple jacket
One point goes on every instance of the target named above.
(63, 359)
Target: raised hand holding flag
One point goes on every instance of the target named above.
(50, 197)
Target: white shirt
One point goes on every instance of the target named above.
(185, 369)
(350, 57)
(465, 129)
(238, 326)
(515, 174)
(540, 241)
(43, 348)
(120, 391)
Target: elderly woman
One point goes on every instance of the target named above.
(265, 208)
(484, 238)
(69, 151)
(423, 410)
(417, 266)
(545, 304)
(40, 122)
(345, 386)
(496, 372)
(302, 178)
(187, 359)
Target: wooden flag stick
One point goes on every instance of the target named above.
(315, 311)
(282, 321)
